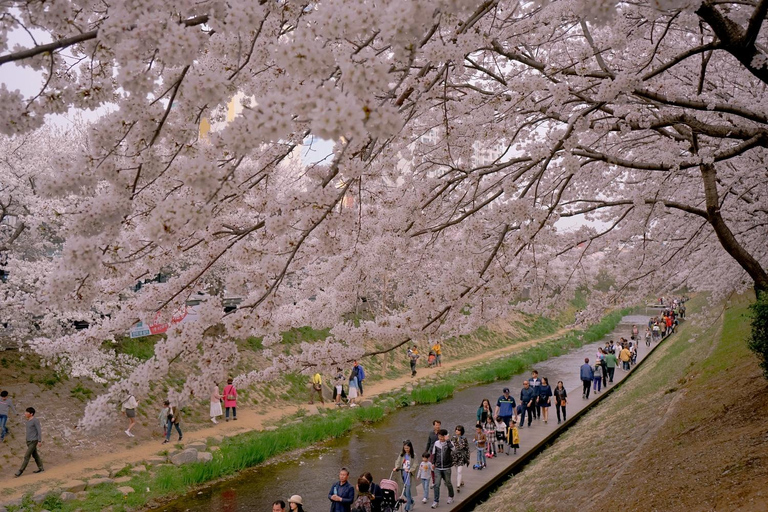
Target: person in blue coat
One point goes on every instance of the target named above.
(342, 494)
(587, 374)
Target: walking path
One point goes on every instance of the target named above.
(248, 420)
(530, 437)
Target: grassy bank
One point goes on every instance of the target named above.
(667, 438)
(506, 367)
(248, 450)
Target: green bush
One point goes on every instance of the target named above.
(758, 342)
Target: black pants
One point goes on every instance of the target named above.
(610, 373)
(557, 409)
(586, 384)
(413, 367)
(31, 452)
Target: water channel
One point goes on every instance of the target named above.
(374, 448)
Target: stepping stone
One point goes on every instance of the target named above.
(204, 457)
(93, 482)
(126, 490)
(67, 496)
(123, 480)
(39, 496)
(73, 486)
(139, 469)
(155, 460)
(199, 446)
(186, 457)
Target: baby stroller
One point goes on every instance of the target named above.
(432, 359)
(391, 500)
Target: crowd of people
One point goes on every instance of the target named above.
(496, 429)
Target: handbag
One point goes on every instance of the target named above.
(563, 402)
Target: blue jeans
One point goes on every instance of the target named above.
(597, 383)
(407, 490)
(443, 474)
(3, 430)
(425, 485)
(481, 456)
(226, 412)
(170, 427)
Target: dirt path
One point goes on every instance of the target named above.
(248, 420)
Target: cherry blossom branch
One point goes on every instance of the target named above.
(79, 38)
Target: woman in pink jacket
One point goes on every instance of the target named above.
(230, 400)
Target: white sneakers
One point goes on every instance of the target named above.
(423, 500)
(434, 504)
(128, 433)
(214, 420)
(450, 500)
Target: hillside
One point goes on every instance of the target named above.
(60, 400)
(686, 432)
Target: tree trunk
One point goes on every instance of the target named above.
(725, 235)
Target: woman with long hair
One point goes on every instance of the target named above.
(407, 466)
(560, 400)
(484, 412)
(296, 504)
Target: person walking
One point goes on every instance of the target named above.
(162, 418)
(364, 501)
(442, 458)
(342, 494)
(352, 387)
(587, 374)
(484, 411)
(278, 506)
(34, 439)
(216, 397)
(359, 372)
(560, 400)
(425, 475)
(460, 455)
(413, 356)
(611, 362)
(338, 387)
(535, 382)
(129, 406)
(597, 379)
(6, 406)
(230, 400)
(625, 356)
(480, 441)
(407, 466)
(174, 421)
(527, 403)
(545, 398)
(316, 388)
(437, 348)
(505, 407)
(375, 491)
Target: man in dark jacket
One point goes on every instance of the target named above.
(587, 374)
(433, 436)
(527, 403)
(342, 494)
(442, 459)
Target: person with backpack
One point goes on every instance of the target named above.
(364, 501)
(230, 400)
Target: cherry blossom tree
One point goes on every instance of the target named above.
(644, 121)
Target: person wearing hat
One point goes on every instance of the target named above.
(295, 503)
(505, 407)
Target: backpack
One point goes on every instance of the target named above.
(360, 373)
